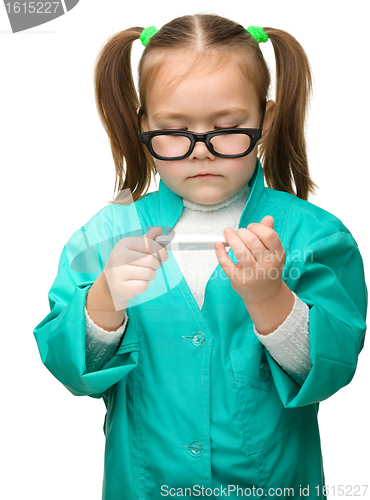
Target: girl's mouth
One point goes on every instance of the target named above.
(205, 176)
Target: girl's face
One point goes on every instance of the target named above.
(198, 99)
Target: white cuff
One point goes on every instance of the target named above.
(104, 335)
(100, 345)
(289, 344)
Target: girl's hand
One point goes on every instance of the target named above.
(132, 263)
(261, 258)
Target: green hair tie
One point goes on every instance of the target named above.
(258, 33)
(146, 34)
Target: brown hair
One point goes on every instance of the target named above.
(199, 36)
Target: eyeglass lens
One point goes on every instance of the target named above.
(178, 145)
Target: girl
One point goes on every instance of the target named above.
(211, 363)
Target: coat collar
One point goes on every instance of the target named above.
(170, 204)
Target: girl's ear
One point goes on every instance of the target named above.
(268, 120)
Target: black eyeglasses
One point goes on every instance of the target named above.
(171, 145)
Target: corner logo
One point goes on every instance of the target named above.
(25, 14)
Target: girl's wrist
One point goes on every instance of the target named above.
(100, 306)
(268, 314)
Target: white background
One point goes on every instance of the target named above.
(57, 172)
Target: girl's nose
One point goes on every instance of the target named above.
(201, 151)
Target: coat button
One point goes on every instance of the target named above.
(195, 449)
(198, 338)
(264, 371)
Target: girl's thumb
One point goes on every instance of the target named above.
(268, 221)
(153, 232)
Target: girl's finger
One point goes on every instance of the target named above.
(226, 263)
(240, 250)
(253, 243)
(268, 236)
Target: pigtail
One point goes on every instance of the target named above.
(117, 102)
(284, 150)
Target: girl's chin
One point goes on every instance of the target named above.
(204, 200)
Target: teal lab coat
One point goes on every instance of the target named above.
(193, 399)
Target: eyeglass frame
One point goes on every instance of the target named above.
(254, 134)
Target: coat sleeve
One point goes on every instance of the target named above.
(61, 336)
(330, 279)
